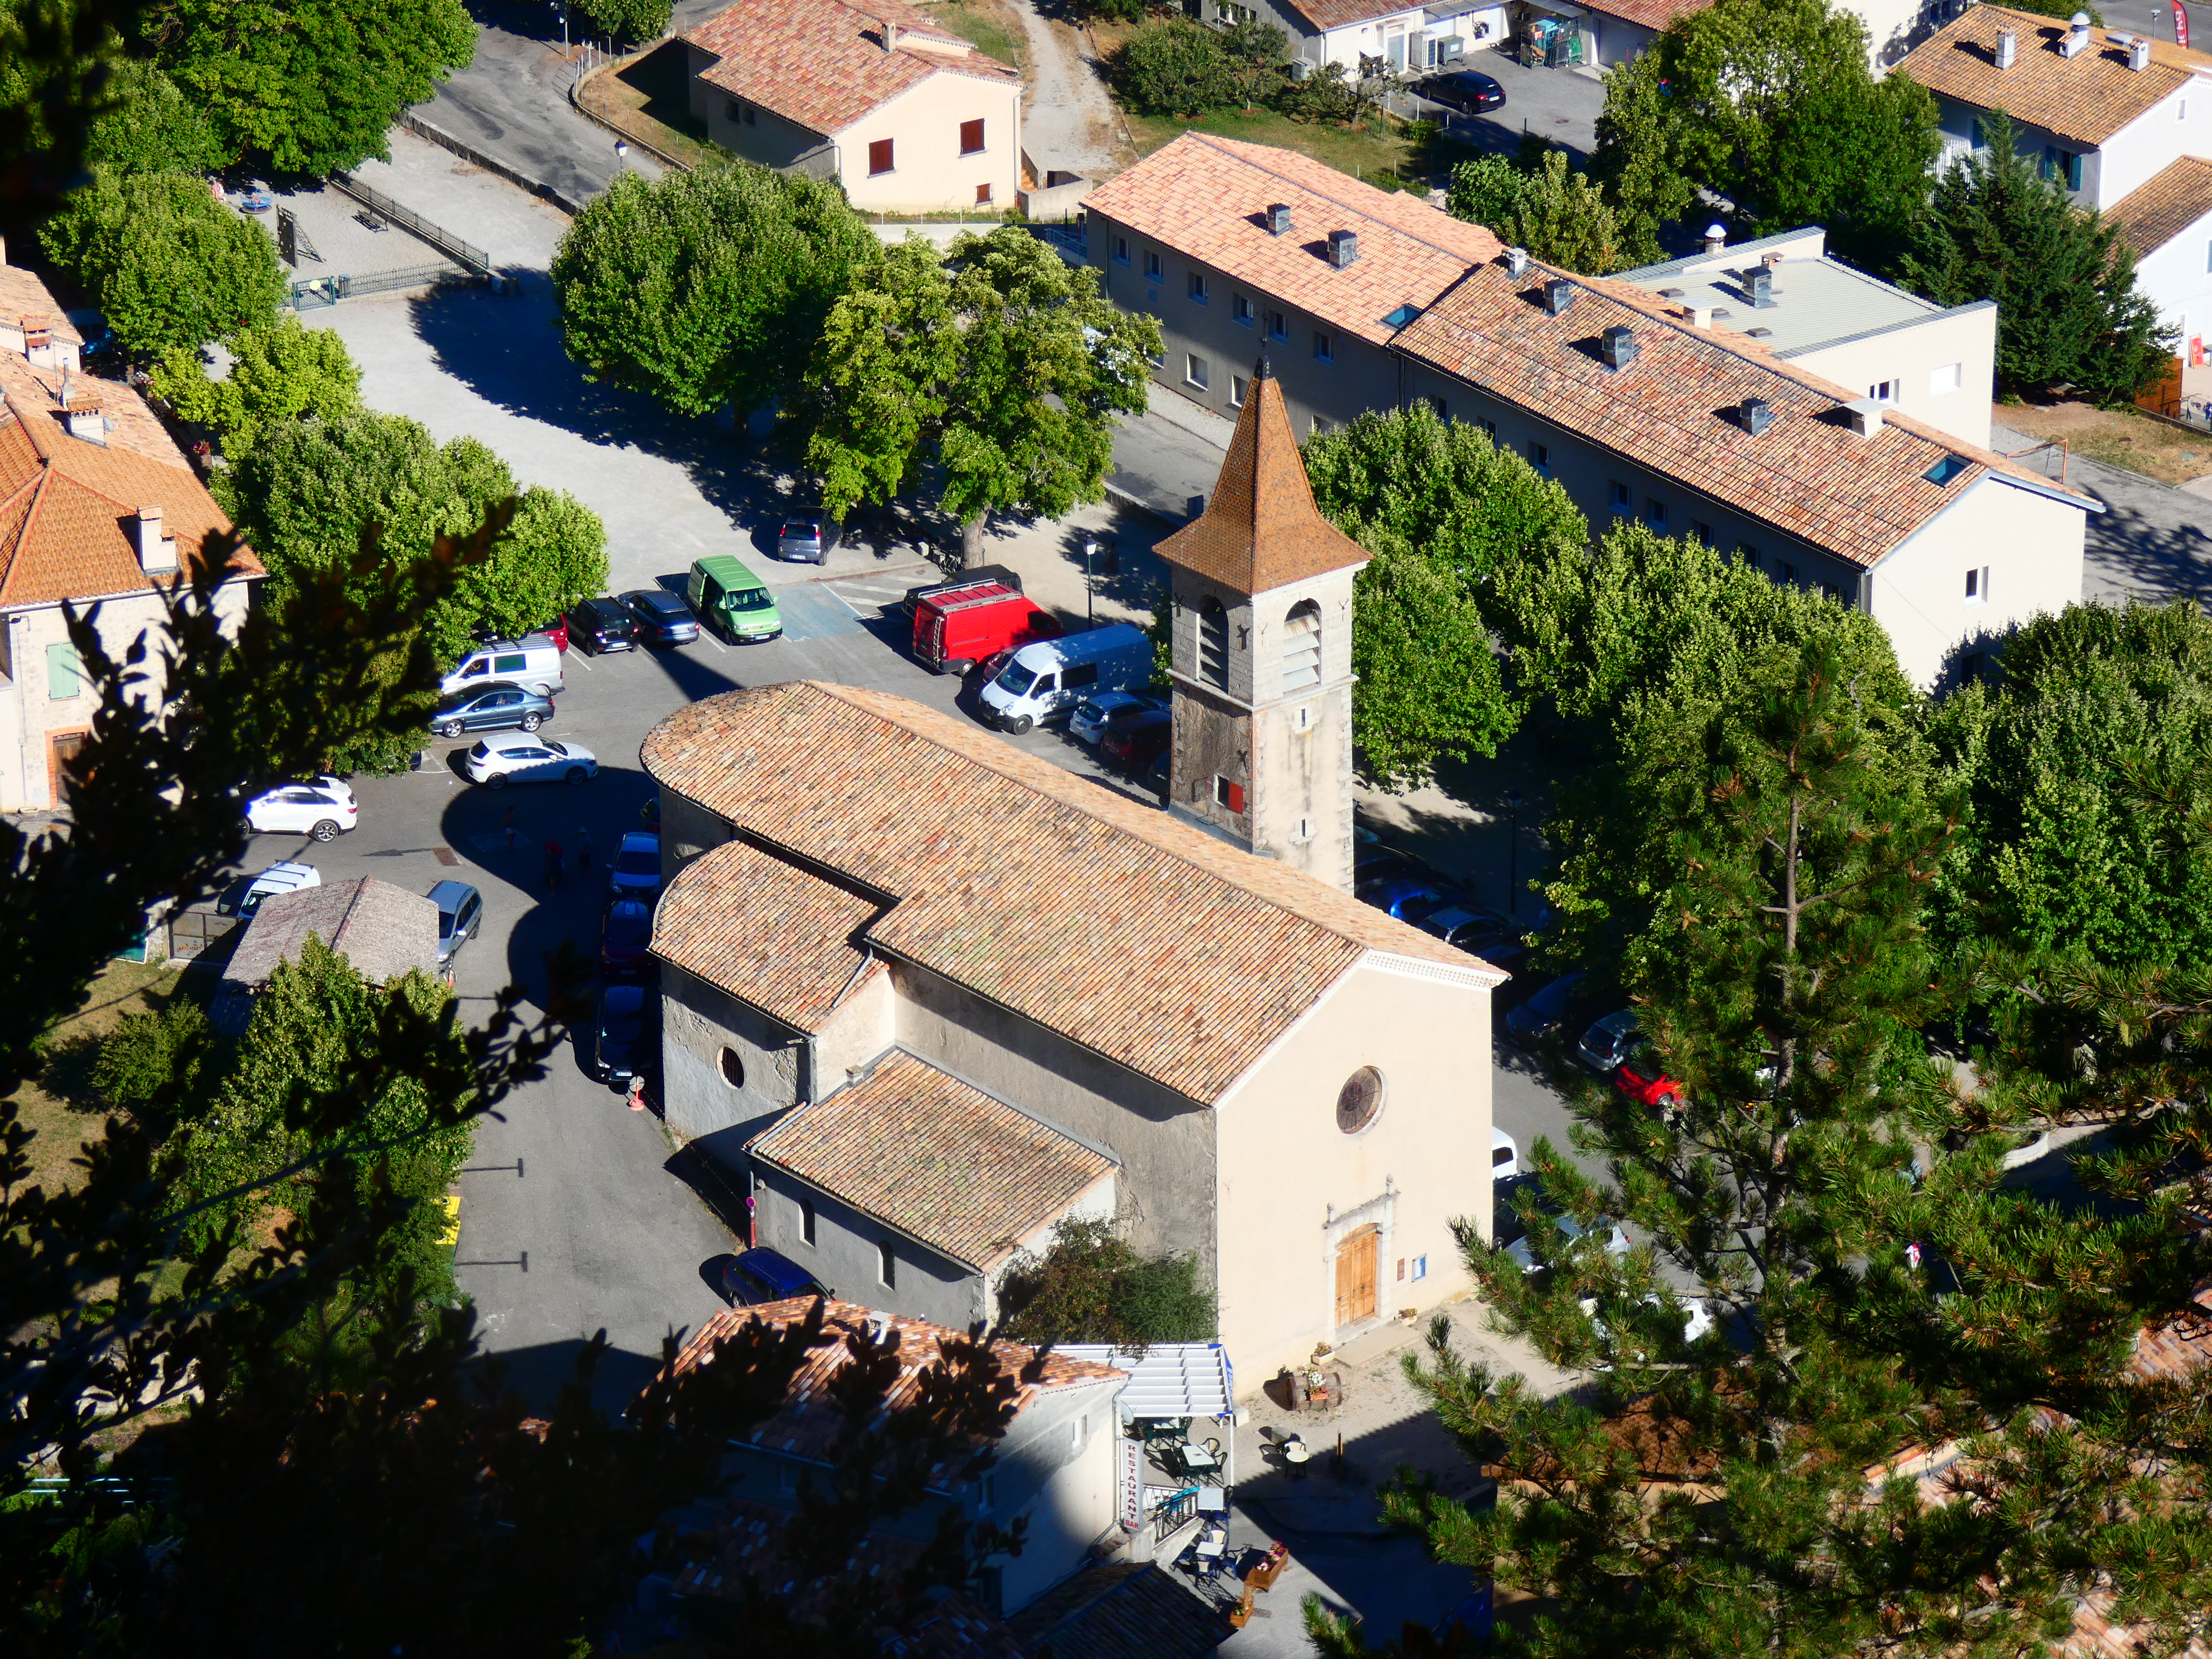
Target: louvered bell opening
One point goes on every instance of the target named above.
(1213, 643)
(1301, 648)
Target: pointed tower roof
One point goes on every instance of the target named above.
(1260, 529)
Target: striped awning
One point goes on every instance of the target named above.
(1168, 1380)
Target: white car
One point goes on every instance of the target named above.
(278, 878)
(1697, 1317)
(325, 809)
(1088, 723)
(1504, 1155)
(1604, 1048)
(526, 758)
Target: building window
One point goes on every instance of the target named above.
(1883, 391)
(1701, 532)
(1228, 793)
(1121, 250)
(1747, 553)
(1977, 586)
(1360, 1101)
(2063, 165)
(1654, 512)
(1152, 267)
(1540, 457)
(1241, 309)
(1946, 377)
(1832, 591)
(1079, 1433)
(1420, 1267)
(1946, 470)
(1195, 370)
(886, 1267)
(1214, 642)
(64, 671)
(982, 196)
(1237, 384)
(1278, 327)
(1322, 426)
(1489, 428)
(1622, 496)
(1301, 648)
(971, 137)
(879, 157)
(733, 1069)
(744, 114)
(1977, 139)
(806, 1220)
(1785, 573)
(1195, 286)
(1324, 349)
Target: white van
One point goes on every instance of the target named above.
(1045, 680)
(532, 663)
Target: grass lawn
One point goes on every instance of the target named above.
(2117, 437)
(1376, 157)
(59, 1106)
(650, 100)
(988, 23)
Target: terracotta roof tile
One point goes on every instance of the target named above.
(809, 1422)
(1672, 410)
(1335, 14)
(24, 298)
(1208, 197)
(1171, 952)
(767, 931)
(2085, 99)
(1123, 1610)
(822, 64)
(1260, 529)
(2156, 212)
(1653, 15)
(936, 1157)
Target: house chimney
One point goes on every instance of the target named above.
(2007, 48)
(1516, 262)
(1756, 415)
(1701, 316)
(1617, 346)
(1771, 261)
(157, 554)
(2077, 37)
(1864, 416)
(1715, 238)
(1759, 285)
(2139, 55)
(1343, 247)
(890, 35)
(1279, 218)
(1559, 295)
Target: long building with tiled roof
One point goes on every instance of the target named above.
(881, 96)
(2167, 225)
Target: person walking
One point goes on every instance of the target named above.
(506, 823)
(553, 863)
(583, 850)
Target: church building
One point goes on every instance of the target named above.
(932, 994)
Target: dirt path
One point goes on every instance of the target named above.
(1069, 123)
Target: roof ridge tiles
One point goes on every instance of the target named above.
(1234, 148)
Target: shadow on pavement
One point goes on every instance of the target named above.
(538, 1374)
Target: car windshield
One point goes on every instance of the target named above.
(800, 529)
(1016, 680)
(638, 861)
(557, 748)
(749, 598)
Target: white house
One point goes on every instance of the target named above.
(1394, 37)
(2168, 223)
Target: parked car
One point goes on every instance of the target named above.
(762, 1275)
(497, 706)
(623, 935)
(1504, 1155)
(1045, 680)
(325, 809)
(1547, 1011)
(726, 595)
(1510, 1233)
(662, 618)
(1605, 1044)
(634, 870)
(460, 913)
(1467, 91)
(497, 761)
(1461, 925)
(1408, 897)
(276, 878)
(1374, 861)
(1137, 737)
(1643, 1077)
(620, 1048)
(807, 536)
(955, 630)
(1087, 723)
(602, 624)
(1696, 1319)
(556, 630)
(532, 663)
(982, 576)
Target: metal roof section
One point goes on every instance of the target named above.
(1811, 299)
(1168, 1380)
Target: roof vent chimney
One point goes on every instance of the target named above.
(1715, 237)
(1864, 416)
(157, 554)
(1759, 285)
(879, 1325)
(1278, 219)
(1756, 415)
(2077, 37)
(1516, 262)
(1559, 295)
(2007, 48)
(1617, 346)
(1701, 316)
(1343, 247)
(890, 35)
(2139, 55)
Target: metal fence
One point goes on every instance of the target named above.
(316, 292)
(460, 253)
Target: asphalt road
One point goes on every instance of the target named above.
(2151, 541)
(1555, 104)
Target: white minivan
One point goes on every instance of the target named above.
(1045, 680)
(532, 662)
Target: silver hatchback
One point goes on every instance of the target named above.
(806, 537)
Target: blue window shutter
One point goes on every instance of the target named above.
(64, 673)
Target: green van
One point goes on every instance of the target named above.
(732, 600)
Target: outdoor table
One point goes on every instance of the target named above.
(1198, 1459)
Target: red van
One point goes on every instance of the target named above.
(954, 631)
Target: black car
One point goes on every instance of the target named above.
(662, 618)
(496, 707)
(619, 1048)
(1558, 1009)
(1135, 735)
(602, 624)
(1464, 90)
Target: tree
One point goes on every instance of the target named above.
(1556, 214)
(305, 88)
(169, 265)
(1174, 66)
(1770, 105)
(1090, 1285)
(1001, 365)
(150, 126)
(634, 19)
(708, 287)
(280, 371)
(2068, 314)
(1429, 683)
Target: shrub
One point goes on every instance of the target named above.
(1174, 67)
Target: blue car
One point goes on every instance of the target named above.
(1544, 1014)
(762, 1275)
(1409, 898)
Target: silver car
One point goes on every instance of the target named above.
(1088, 723)
(806, 537)
(1604, 1048)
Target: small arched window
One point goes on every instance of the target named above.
(1213, 643)
(1301, 648)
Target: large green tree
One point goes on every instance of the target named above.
(1090, 1285)
(1558, 215)
(304, 86)
(630, 20)
(708, 287)
(1174, 66)
(280, 371)
(1770, 105)
(1000, 364)
(2070, 317)
(169, 265)
(150, 126)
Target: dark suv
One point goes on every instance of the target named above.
(602, 624)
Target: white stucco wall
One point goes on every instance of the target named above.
(928, 173)
(2178, 279)
(1916, 358)
(2178, 125)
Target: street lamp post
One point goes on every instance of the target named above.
(1090, 552)
(621, 153)
(1513, 804)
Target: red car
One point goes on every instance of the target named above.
(1643, 1080)
(624, 937)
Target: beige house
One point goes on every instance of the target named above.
(934, 993)
(907, 116)
(97, 505)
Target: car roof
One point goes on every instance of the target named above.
(727, 570)
(496, 743)
(287, 875)
(448, 895)
(639, 838)
(1617, 1024)
(631, 907)
(622, 996)
(778, 1273)
(658, 598)
(599, 602)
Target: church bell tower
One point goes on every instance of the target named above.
(1262, 591)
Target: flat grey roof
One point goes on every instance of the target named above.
(1818, 299)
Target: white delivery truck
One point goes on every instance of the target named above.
(1045, 680)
